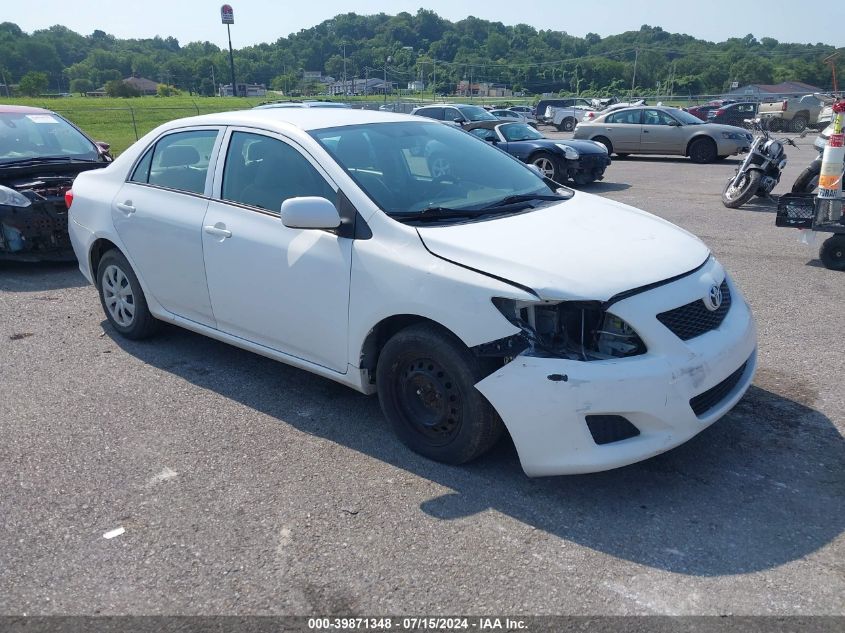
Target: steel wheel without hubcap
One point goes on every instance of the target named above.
(118, 297)
(430, 401)
(426, 380)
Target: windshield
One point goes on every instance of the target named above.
(476, 113)
(26, 136)
(685, 117)
(409, 168)
(519, 132)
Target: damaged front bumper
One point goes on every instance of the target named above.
(37, 232)
(572, 416)
(587, 168)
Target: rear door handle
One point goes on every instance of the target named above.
(218, 230)
(126, 207)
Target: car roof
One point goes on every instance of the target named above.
(23, 109)
(302, 118)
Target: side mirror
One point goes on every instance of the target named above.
(105, 147)
(309, 212)
(458, 120)
(674, 124)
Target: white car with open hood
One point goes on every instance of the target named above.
(405, 257)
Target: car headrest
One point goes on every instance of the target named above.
(179, 155)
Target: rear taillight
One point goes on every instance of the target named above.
(718, 113)
(68, 198)
(783, 106)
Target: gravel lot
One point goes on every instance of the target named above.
(247, 487)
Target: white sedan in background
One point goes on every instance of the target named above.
(474, 301)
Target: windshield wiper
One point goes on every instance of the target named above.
(509, 200)
(36, 160)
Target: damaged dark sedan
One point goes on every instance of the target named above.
(40, 155)
(560, 160)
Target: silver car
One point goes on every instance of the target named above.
(662, 130)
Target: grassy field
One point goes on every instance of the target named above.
(122, 121)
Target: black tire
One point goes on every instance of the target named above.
(808, 180)
(773, 124)
(703, 150)
(798, 123)
(735, 199)
(606, 142)
(426, 384)
(549, 165)
(622, 155)
(718, 158)
(832, 252)
(569, 124)
(115, 273)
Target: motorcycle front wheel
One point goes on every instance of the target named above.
(747, 185)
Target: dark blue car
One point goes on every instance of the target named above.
(561, 160)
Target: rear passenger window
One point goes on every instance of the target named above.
(178, 161)
(263, 172)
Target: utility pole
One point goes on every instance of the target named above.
(345, 89)
(366, 81)
(386, 62)
(213, 80)
(227, 16)
(634, 78)
(470, 83)
(434, 85)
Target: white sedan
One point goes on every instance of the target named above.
(476, 300)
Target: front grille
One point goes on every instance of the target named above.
(694, 319)
(607, 429)
(703, 402)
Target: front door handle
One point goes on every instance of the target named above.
(126, 207)
(218, 230)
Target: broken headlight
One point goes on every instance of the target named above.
(12, 198)
(573, 330)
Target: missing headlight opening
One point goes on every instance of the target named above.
(571, 330)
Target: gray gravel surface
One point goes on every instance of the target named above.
(248, 487)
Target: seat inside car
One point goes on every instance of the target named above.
(176, 171)
(279, 174)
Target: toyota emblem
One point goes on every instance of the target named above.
(713, 300)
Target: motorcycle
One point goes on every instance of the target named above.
(760, 172)
(808, 180)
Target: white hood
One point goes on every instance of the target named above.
(586, 248)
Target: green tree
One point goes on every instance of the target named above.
(119, 88)
(33, 84)
(165, 90)
(81, 86)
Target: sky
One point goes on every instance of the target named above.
(259, 21)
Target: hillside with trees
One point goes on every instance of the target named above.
(421, 46)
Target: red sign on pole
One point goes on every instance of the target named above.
(227, 15)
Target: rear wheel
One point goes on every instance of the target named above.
(832, 252)
(606, 142)
(808, 180)
(799, 123)
(734, 196)
(122, 299)
(426, 384)
(703, 150)
(622, 155)
(567, 125)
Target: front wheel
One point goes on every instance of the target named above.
(703, 151)
(832, 252)
(123, 299)
(547, 164)
(736, 195)
(426, 384)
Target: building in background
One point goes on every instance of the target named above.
(244, 90)
(141, 84)
(482, 89)
(371, 86)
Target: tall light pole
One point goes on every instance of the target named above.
(386, 62)
(227, 16)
